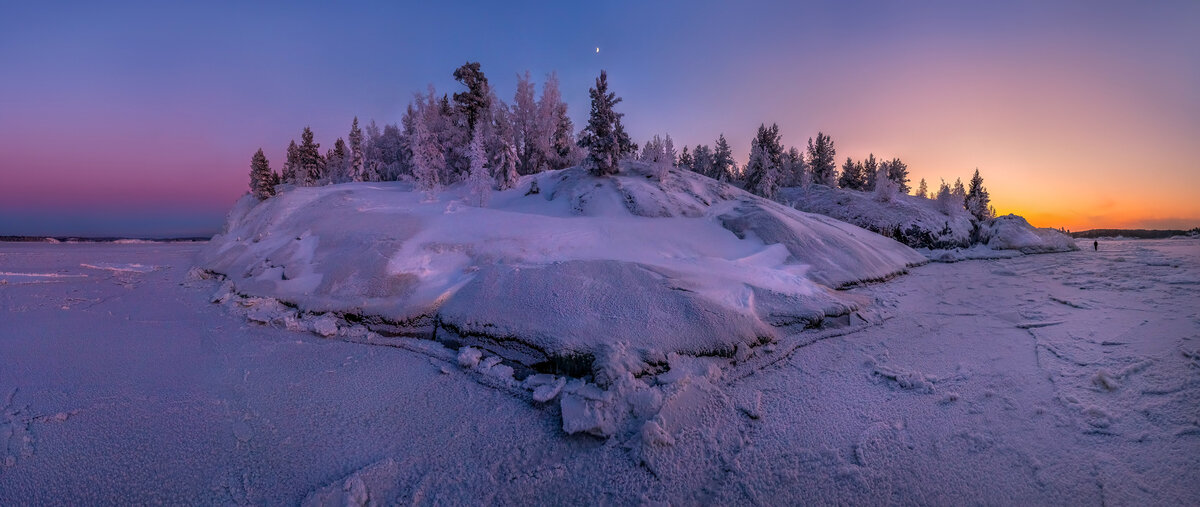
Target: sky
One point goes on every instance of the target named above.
(139, 119)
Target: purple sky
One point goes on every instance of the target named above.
(140, 119)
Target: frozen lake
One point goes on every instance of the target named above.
(1067, 378)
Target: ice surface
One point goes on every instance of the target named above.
(133, 388)
(553, 280)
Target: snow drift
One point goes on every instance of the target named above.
(587, 269)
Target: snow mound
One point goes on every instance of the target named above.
(912, 220)
(555, 279)
(1012, 232)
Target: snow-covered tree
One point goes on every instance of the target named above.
(702, 160)
(959, 192)
(291, 168)
(821, 160)
(723, 164)
(898, 172)
(683, 160)
(922, 189)
(945, 199)
(357, 154)
(262, 179)
(793, 168)
(870, 170)
(312, 164)
(479, 179)
(556, 130)
(763, 171)
(853, 176)
(978, 202)
(525, 125)
(504, 149)
(428, 157)
(605, 137)
(885, 188)
(337, 163)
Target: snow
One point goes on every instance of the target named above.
(553, 281)
(1040, 379)
(921, 224)
(1011, 232)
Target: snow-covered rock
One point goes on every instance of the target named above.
(686, 264)
(912, 220)
(922, 224)
(1012, 232)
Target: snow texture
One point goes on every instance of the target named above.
(1040, 379)
(553, 280)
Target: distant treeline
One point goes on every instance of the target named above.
(78, 239)
(1134, 233)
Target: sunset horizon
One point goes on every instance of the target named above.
(1078, 115)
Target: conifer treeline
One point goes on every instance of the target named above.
(476, 137)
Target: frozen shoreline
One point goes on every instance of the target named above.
(1066, 378)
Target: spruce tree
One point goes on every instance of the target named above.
(337, 163)
(605, 137)
(821, 159)
(357, 156)
(291, 168)
(978, 201)
(766, 160)
(262, 179)
(312, 165)
(525, 125)
(685, 159)
(852, 177)
(722, 168)
(922, 189)
(702, 160)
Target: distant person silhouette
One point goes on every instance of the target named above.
(1096, 246)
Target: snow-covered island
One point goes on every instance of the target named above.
(481, 308)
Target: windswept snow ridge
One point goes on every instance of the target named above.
(554, 280)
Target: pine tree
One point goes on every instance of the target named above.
(978, 201)
(262, 179)
(852, 177)
(766, 160)
(372, 167)
(312, 164)
(898, 172)
(959, 192)
(357, 156)
(723, 164)
(474, 102)
(922, 189)
(870, 170)
(605, 137)
(821, 159)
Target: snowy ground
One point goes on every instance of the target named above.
(1060, 378)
